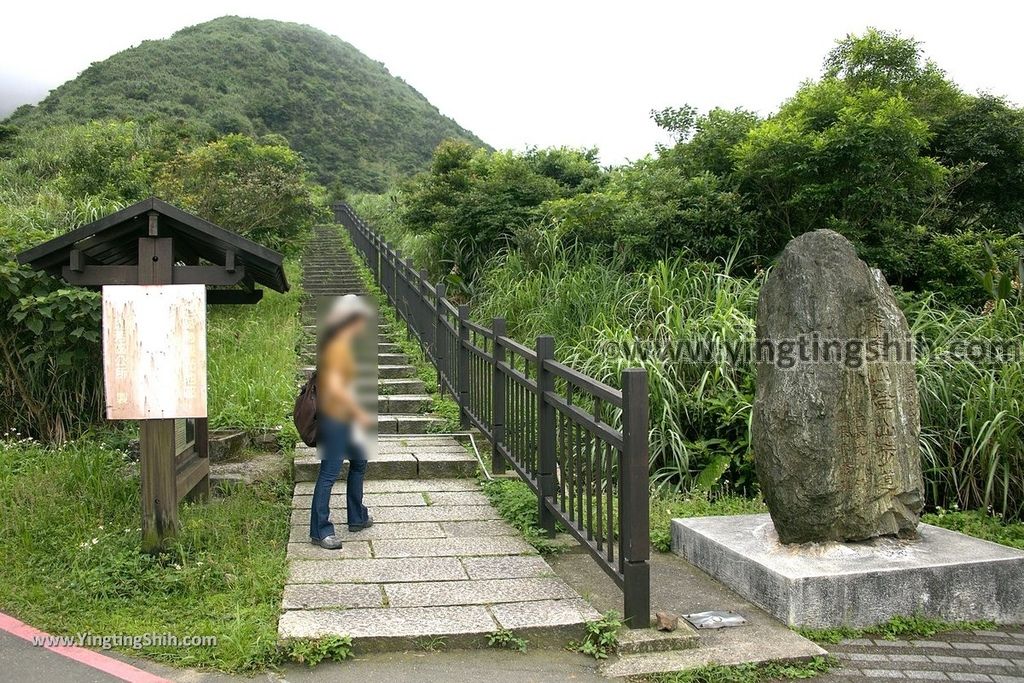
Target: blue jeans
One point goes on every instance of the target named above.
(335, 441)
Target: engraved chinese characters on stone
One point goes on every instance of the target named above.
(836, 438)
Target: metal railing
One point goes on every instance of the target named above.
(578, 443)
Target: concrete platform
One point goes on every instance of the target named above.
(942, 574)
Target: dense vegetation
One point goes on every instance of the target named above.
(54, 179)
(926, 180)
(356, 124)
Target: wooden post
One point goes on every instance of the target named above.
(159, 494)
(634, 513)
(202, 489)
(156, 437)
(545, 435)
(497, 396)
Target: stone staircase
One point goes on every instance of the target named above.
(403, 406)
(439, 565)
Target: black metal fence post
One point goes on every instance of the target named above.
(440, 344)
(462, 372)
(396, 292)
(497, 396)
(634, 510)
(423, 306)
(545, 434)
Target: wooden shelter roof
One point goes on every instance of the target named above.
(114, 241)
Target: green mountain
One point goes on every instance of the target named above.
(350, 118)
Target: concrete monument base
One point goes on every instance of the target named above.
(941, 574)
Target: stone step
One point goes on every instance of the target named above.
(405, 460)
(388, 629)
(408, 423)
(395, 371)
(642, 641)
(404, 403)
(383, 371)
(400, 386)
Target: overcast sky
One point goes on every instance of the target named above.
(553, 72)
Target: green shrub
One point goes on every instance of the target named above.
(50, 355)
(260, 191)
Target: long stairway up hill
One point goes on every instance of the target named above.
(439, 562)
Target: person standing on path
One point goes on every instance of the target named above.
(340, 421)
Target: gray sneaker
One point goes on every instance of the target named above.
(332, 542)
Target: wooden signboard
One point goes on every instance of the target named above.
(154, 351)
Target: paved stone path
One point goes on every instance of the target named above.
(988, 656)
(439, 562)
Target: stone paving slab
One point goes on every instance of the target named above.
(514, 567)
(437, 513)
(352, 550)
(305, 488)
(524, 615)
(974, 656)
(390, 570)
(439, 468)
(420, 440)
(467, 546)
(457, 498)
(389, 622)
(488, 527)
(318, 596)
(383, 466)
(485, 592)
(371, 500)
(421, 450)
(300, 532)
(404, 455)
(425, 513)
(439, 560)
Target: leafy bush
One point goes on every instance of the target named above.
(260, 191)
(471, 202)
(50, 354)
(312, 651)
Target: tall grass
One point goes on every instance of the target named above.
(699, 412)
(971, 412)
(69, 539)
(253, 359)
(972, 450)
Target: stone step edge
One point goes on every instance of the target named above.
(550, 636)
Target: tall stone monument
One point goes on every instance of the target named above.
(836, 415)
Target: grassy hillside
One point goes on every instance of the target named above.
(352, 120)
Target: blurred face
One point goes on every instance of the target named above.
(358, 326)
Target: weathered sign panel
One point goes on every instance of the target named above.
(154, 351)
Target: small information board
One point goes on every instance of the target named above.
(154, 351)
